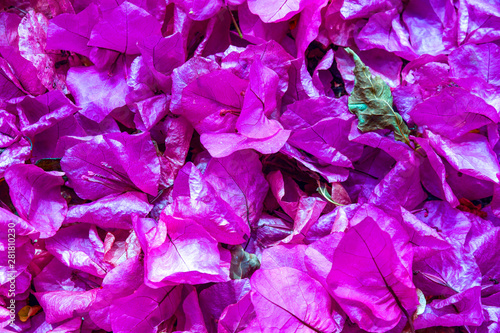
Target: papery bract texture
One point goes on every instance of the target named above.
(80, 247)
(309, 310)
(112, 164)
(128, 24)
(182, 252)
(381, 291)
(44, 209)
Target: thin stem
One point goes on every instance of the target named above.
(235, 23)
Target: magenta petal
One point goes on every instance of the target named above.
(16, 153)
(114, 163)
(186, 253)
(195, 198)
(216, 298)
(256, 31)
(240, 182)
(288, 300)
(239, 317)
(32, 44)
(45, 209)
(271, 54)
(425, 239)
(44, 111)
(137, 155)
(401, 185)
(369, 279)
(214, 110)
(320, 126)
(9, 89)
(224, 144)
(19, 75)
(86, 157)
(24, 254)
(78, 246)
(353, 9)
(145, 309)
(56, 277)
(470, 154)
(182, 76)
(474, 61)
(199, 10)
(319, 256)
(430, 27)
(60, 305)
(461, 309)
(72, 31)
(287, 255)
(128, 24)
(276, 11)
(113, 211)
(45, 142)
(71, 325)
(121, 281)
(150, 111)
(327, 140)
(260, 102)
(453, 112)
(309, 23)
(189, 315)
(22, 228)
(447, 272)
(98, 91)
(162, 56)
(433, 174)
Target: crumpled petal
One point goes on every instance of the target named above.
(128, 24)
(239, 317)
(98, 91)
(72, 31)
(185, 253)
(112, 211)
(369, 279)
(78, 246)
(288, 300)
(195, 198)
(470, 154)
(276, 11)
(145, 309)
(240, 181)
(45, 208)
(112, 164)
(60, 305)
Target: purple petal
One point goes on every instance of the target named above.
(145, 309)
(278, 11)
(113, 211)
(128, 24)
(187, 254)
(45, 208)
(369, 279)
(72, 31)
(78, 246)
(287, 299)
(60, 305)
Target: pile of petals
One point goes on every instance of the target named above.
(250, 166)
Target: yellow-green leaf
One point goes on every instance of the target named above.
(371, 102)
(243, 264)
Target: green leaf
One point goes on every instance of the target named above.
(324, 192)
(243, 264)
(371, 102)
